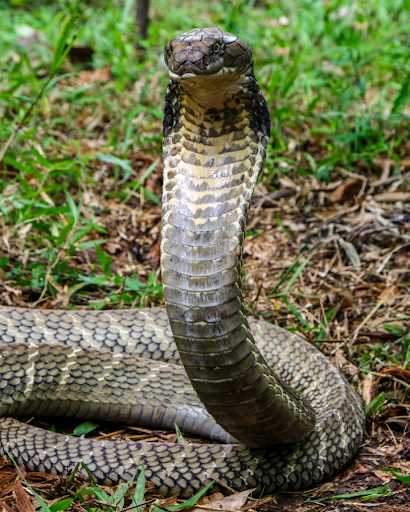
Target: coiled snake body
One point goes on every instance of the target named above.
(283, 420)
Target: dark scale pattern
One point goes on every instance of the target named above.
(339, 422)
(228, 370)
(123, 365)
(170, 121)
(256, 104)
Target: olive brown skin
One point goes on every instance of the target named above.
(208, 51)
(282, 416)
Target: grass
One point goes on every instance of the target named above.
(124, 497)
(80, 169)
(336, 79)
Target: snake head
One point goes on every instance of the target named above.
(207, 51)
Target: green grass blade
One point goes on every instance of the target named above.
(84, 428)
(403, 96)
(60, 505)
(376, 405)
(138, 496)
(189, 503)
(366, 495)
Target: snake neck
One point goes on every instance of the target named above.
(214, 149)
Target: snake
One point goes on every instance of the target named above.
(276, 413)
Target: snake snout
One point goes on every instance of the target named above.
(192, 60)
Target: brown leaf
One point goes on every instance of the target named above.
(388, 295)
(346, 298)
(231, 503)
(23, 500)
(346, 190)
(215, 496)
(97, 75)
(405, 162)
(398, 372)
(154, 252)
(361, 469)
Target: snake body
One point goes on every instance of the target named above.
(282, 416)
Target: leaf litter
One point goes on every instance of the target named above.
(343, 308)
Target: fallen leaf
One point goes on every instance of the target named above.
(388, 295)
(405, 162)
(231, 503)
(361, 469)
(23, 500)
(350, 251)
(346, 298)
(398, 372)
(96, 75)
(346, 190)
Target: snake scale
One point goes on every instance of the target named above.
(282, 420)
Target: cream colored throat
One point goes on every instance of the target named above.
(212, 91)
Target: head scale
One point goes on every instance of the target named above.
(207, 52)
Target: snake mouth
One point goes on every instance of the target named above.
(193, 75)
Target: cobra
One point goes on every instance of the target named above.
(278, 413)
